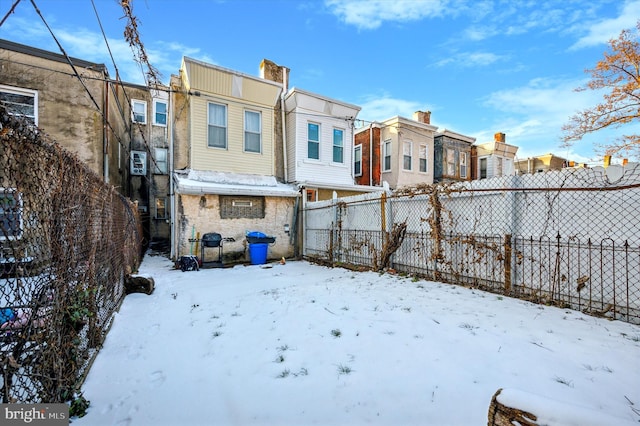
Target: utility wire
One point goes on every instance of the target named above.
(9, 12)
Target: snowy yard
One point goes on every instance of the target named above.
(300, 344)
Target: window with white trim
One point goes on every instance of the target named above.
(423, 158)
(357, 160)
(139, 111)
(407, 147)
(313, 141)
(498, 166)
(161, 163)
(252, 131)
(159, 112)
(386, 156)
(463, 165)
(10, 214)
(338, 145)
(217, 126)
(21, 102)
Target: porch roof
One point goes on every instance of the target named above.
(199, 182)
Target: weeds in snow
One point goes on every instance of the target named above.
(283, 348)
(285, 373)
(216, 334)
(564, 381)
(336, 332)
(279, 358)
(344, 369)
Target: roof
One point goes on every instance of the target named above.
(45, 54)
(198, 182)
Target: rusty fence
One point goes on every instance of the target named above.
(67, 241)
(567, 238)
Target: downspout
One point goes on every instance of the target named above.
(284, 127)
(171, 190)
(105, 135)
(370, 154)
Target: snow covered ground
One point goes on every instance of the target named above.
(301, 344)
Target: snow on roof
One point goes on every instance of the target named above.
(198, 182)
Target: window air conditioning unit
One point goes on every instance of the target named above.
(138, 163)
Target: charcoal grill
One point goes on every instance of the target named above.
(212, 240)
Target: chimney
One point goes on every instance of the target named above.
(269, 70)
(500, 137)
(422, 116)
(607, 160)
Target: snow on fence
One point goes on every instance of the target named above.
(67, 242)
(567, 237)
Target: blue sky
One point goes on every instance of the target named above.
(480, 67)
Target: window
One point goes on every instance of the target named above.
(312, 194)
(160, 158)
(252, 132)
(386, 156)
(499, 166)
(451, 162)
(463, 165)
(235, 207)
(357, 160)
(20, 102)
(161, 208)
(483, 168)
(159, 113)
(10, 214)
(313, 141)
(139, 111)
(338, 145)
(423, 158)
(217, 121)
(406, 159)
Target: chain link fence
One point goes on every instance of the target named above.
(568, 238)
(67, 242)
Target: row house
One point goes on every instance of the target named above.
(120, 130)
(398, 151)
(540, 163)
(493, 159)
(319, 148)
(452, 157)
(224, 164)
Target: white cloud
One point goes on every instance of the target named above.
(470, 59)
(370, 14)
(605, 30)
(532, 116)
(382, 107)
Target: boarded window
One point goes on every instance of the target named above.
(241, 207)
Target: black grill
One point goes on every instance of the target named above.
(212, 239)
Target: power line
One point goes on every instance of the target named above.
(9, 12)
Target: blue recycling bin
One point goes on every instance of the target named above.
(258, 247)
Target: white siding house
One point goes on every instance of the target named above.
(319, 141)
